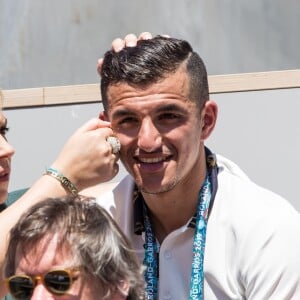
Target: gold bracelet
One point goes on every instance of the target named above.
(65, 182)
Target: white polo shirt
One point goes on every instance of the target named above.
(252, 243)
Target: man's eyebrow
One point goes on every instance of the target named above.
(170, 107)
(164, 108)
(121, 113)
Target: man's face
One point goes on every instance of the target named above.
(160, 132)
(6, 152)
(45, 257)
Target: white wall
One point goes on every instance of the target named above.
(55, 42)
(258, 130)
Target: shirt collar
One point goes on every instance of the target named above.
(138, 212)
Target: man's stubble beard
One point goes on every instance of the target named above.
(165, 189)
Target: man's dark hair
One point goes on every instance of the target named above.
(153, 60)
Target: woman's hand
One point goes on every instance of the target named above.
(129, 40)
(87, 158)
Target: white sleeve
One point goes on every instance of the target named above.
(271, 258)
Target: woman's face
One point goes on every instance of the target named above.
(6, 152)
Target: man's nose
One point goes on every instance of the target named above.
(41, 293)
(149, 137)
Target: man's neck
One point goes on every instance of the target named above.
(173, 209)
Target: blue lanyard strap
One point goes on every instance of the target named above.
(205, 201)
(151, 259)
(197, 275)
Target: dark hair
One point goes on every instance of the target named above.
(89, 233)
(152, 60)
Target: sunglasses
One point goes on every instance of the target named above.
(57, 282)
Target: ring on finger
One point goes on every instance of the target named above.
(115, 144)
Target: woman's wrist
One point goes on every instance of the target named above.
(67, 184)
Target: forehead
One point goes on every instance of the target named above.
(175, 87)
(44, 255)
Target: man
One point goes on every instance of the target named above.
(70, 248)
(202, 228)
(156, 97)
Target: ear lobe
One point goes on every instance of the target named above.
(209, 118)
(103, 116)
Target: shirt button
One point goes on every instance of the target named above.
(168, 254)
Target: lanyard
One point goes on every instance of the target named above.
(197, 276)
(205, 201)
(151, 259)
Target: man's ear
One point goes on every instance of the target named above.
(103, 116)
(208, 118)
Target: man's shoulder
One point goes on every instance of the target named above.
(99, 189)
(116, 195)
(228, 166)
(118, 201)
(243, 197)
(233, 179)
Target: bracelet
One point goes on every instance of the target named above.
(66, 183)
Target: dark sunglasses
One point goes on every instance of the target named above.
(57, 282)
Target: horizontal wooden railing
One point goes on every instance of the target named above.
(87, 93)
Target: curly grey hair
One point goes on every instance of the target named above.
(91, 236)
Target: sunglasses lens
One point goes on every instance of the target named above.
(21, 287)
(58, 281)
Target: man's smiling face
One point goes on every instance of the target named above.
(159, 129)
